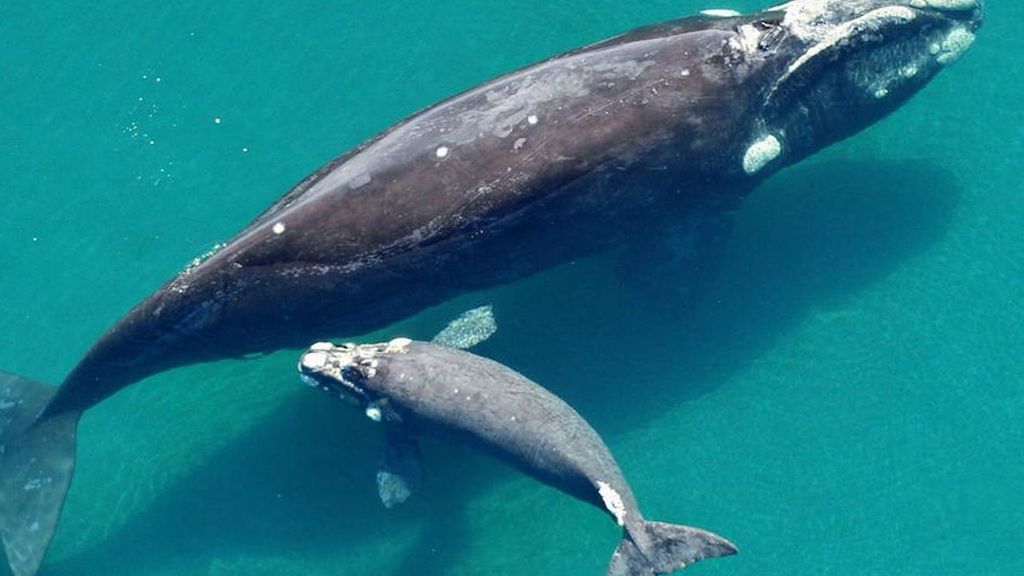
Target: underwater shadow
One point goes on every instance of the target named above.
(297, 485)
(806, 240)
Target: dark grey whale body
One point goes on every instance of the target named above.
(560, 159)
(420, 389)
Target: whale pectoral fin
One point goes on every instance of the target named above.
(400, 474)
(469, 329)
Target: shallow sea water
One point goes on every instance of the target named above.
(845, 395)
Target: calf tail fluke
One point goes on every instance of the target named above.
(37, 458)
(665, 548)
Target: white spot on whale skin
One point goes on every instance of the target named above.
(532, 119)
(761, 153)
(612, 501)
(442, 152)
(373, 412)
(360, 181)
(945, 4)
(954, 46)
(278, 228)
(720, 13)
(398, 345)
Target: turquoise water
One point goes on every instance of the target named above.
(843, 396)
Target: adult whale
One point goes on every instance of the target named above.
(417, 389)
(560, 159)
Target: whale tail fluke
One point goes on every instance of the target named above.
(37, 458)
(665, 548)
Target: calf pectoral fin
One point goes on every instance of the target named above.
(469, 329)
(400, 474)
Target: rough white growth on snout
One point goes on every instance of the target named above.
(321, 347)
(954, 46)
(398, 345)
(945, 4)
(278, 228)
(373, 412)
(314, 360)
(612, 501)
(761, 153)
(720, 13)
(842, 33)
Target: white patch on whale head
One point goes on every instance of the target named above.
(373, 412)
(761, 153)
(321, 347)
(442, 151)
(720, 13)
(314, 360)
(945, 4)
(278, 228)
(532, 119)
(612, 501)
(955, 44)
(398, 345)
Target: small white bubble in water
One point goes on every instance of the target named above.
(159, 79)
(216, 119)
(245, 149)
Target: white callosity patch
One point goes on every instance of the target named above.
(469, 329)
(373, 412)
(612, 501)
(398, 345)
(837, 35)
(954, 45)
(761, 153)
(805, 19)
(748, 39)
(720, 13)
(945, 4)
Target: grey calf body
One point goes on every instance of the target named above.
(421, 389)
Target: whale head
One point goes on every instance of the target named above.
(826, 69)
(339, 370)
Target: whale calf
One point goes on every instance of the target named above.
(571, 156)
(417, 389)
